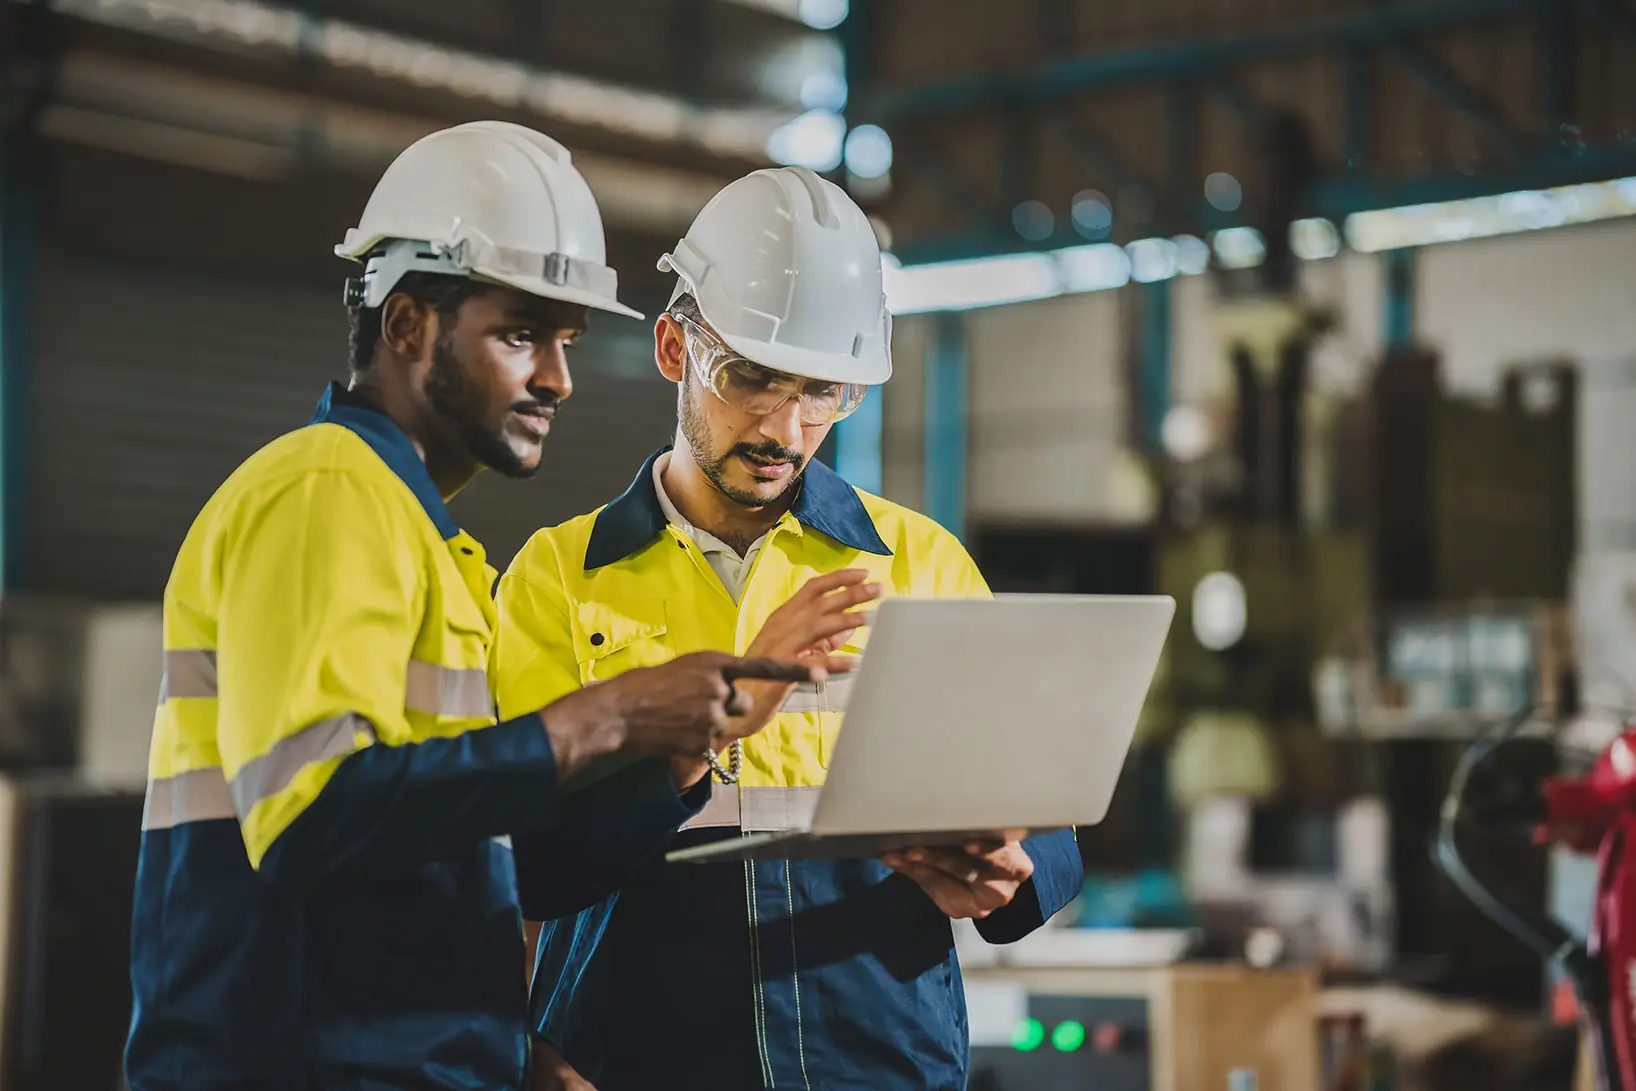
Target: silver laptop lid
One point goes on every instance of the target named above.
(1012, 712)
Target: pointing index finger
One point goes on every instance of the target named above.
(773, 670)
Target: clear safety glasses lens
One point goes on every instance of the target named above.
(751, 388)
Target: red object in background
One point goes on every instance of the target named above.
(1597, 814)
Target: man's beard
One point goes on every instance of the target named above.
(697, 434)
(451, 396)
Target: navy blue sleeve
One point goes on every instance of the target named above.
(1059, 873)
(390, 807)
(565, 949)
(605, 833)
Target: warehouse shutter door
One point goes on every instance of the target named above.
(149, 386)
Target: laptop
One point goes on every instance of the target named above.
(969, 719)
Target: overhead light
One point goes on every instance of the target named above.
(1484, 217)
(1093, 268)
(868, 151)
(1034, 220)
(823, 90)
(806, 71)
(1152, 260)
(822, 14)
(1092, 214)
(1240, 248)
(1314, 240)
(1192, 255)
(813, 140)
(963, 285)
(1223, 192)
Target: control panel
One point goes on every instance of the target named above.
(1070, 1043)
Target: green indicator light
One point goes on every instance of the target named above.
(1068, 1036)
(1028, 1035)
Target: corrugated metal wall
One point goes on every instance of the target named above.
(1048, 410)
(1563, 294)
(1551, 295)
(150, 385)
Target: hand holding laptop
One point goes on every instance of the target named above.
(969, 882)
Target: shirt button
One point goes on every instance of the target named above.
(681, 543)
(596, 640)
(466, 550)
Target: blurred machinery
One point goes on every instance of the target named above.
(1154, 1028)
(1389, 569)
(78, 685)
(66, 893)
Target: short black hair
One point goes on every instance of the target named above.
(687, 307)
(444, 294)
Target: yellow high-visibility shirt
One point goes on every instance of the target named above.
(622, 587)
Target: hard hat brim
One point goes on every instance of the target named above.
(545, 289)
(826, 367)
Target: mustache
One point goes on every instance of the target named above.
(768, 452)
(544, 404)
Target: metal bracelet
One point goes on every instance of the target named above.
(735, 762)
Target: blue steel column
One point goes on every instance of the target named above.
(946, 405)
(16, 269)
(1155, 362)
(858, 437)
(1399, 308)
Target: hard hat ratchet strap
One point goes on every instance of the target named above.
(469, 257)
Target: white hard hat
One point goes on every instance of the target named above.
(786, 269)
(486, 199)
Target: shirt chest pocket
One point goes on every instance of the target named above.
(447, 678)
(611, 639)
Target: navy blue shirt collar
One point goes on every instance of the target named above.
(341, 406)
(826, 503)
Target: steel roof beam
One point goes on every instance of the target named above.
(1102, 69)
(1454, 92)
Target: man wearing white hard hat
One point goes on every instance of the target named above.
(804, 974)
(325, 895)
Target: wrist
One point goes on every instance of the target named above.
(579, 732)
(685, 773)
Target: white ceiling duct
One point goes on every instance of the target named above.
(241, 25)
(158, 112)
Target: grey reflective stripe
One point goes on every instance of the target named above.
(272, 772)
(448, 691)
(756, 809)
(195, 796)
(830, 696)
(189, 672)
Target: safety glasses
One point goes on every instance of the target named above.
(747, 386)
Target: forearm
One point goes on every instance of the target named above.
(387, 807)
(1058, 875)
(605, 833)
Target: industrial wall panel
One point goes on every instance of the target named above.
(1198, 372)
(149, 386)
(1048, 410)
(1607, 456)
(1349, 287)
(1551, 295)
